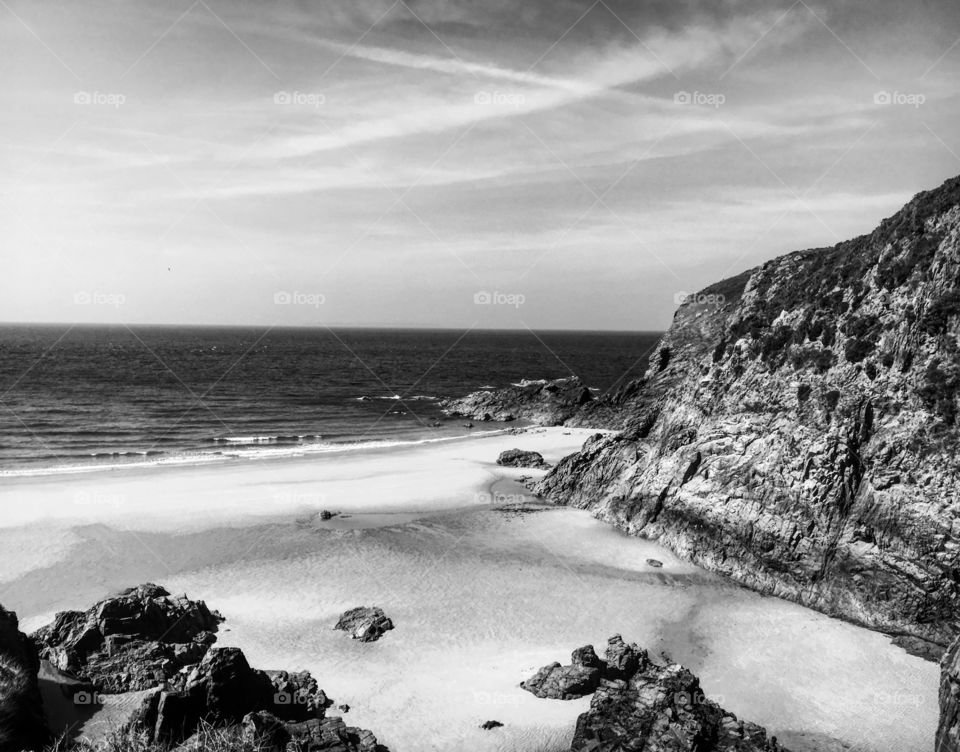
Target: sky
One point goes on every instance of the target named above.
(544, 164)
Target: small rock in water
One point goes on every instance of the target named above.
(326, 515)
(655, 563)
(364, 624)
(487, 725)
(468, 425)
(344, 708)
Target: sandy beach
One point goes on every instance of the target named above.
(481, 594)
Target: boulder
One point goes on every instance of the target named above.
(366, 624)
(522, 458)
(488, 725)
(22, 722)
(129, 642)
(558, 682)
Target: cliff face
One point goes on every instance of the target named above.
(22, 723)
(948, 730)
(797, 428)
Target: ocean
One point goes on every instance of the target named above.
(87, 397)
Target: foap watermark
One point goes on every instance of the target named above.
(689, 699)
(514, 299)
(499, 99)
(898, 699)
(99, 98)
(291, 698)
(315, 299)
(87, 698)
(97, 499)
(499, 499)
(96, 298)
(299, 499)
(899, 98)
(496, 698)
(699, 98)
(699, 298)
(300, 98)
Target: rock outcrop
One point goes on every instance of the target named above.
(364, 623)
(546, 403)
(132, 641)
(161, 647)
(522, 458)
(639, 705)
(796, 429)
(22, 722)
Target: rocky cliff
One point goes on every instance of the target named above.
(948, 730)
(796, 429)
(22, 723)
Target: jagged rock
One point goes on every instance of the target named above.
(622, 660)
(797, 429)
(521, 458)
(948, 728)
(366, 624)
(22, 722)
(145, 635)
(133, 641)
(331, 735)
(488, 725)
(663, 709)
(558, 682)
(642, 706)
(547, 403)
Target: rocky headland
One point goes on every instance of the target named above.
(796, 429)
(545, 403)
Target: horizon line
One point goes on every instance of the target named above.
(399, 327)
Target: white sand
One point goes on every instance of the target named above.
(480, 598)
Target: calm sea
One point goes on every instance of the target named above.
(86, 397)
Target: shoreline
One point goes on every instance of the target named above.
(226, 456)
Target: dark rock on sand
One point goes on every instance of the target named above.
(655, 563)
(522, 458)
(22, 722)
(366, 624)
(488, 725)
(547, 403)
(132, 641)
(798, 429)
(663, 708)
(642, 706)
(558, 682)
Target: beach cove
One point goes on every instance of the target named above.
(483, 587)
